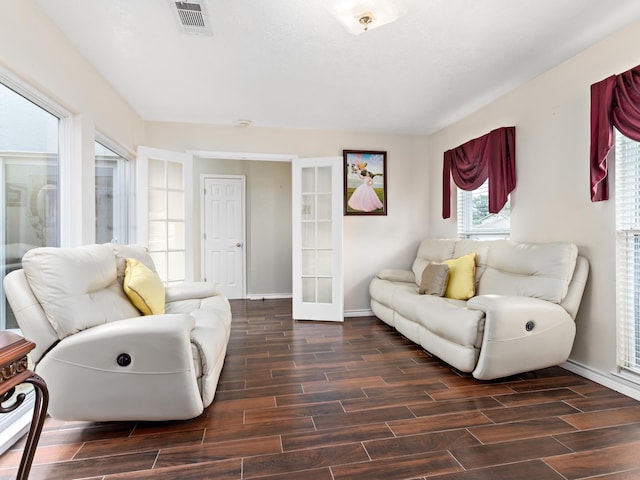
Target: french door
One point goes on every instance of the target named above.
(164, 206)
(318, 283)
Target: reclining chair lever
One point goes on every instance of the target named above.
(124, 359)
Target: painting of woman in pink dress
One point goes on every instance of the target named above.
(365, 184)
(364, 197)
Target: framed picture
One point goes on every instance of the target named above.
(365, 182)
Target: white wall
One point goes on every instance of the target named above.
(35, 52)
(370, 242)
(551, 200)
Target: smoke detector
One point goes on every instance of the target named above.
(192, 16)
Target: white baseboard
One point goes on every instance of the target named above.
(267, 296)
(616, 383)
(358, 313)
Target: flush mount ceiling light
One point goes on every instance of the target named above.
(362, 15)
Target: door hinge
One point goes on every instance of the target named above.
(204, 235)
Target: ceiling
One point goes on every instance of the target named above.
(290, 63)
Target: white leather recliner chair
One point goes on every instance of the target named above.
(101, 358)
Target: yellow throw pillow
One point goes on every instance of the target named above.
(462, 277)
(143, 287)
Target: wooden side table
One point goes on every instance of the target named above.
(14, 370)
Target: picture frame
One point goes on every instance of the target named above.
(365, 182)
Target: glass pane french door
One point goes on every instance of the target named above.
(317, 239)
(164, 211)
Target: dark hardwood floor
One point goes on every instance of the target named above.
(327, 401)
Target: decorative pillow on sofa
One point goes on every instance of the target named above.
(143, 287)
(462, 277)
(435, 278)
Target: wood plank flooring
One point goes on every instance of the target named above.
(327, 401)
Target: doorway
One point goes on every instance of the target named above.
(267, 244)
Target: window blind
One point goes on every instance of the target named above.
(627, 199)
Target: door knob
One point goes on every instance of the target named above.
(238, 244)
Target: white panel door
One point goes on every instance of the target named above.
(224, 234)
(318, 283)
(164, 211)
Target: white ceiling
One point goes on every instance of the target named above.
(289, 63)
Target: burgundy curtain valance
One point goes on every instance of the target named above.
(615, 102)
(493, 157)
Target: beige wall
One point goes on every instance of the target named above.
(34, 51)
(268, 221)
(370, 242)
(551, 200)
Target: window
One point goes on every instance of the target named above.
(111, 195)
(29, 174)
(627, 199)
(31, 129)
(474, 219)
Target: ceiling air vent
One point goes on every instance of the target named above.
(192, 17)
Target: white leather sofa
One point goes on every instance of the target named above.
(521, 318)
(101, 358)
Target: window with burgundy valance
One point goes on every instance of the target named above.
(615, 118)
(615, 102)
(491, 157)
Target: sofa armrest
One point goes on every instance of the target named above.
(396, 275)
(507, 316)
(155, 343)
(521, 334)
(161, 366)
(189, 291)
